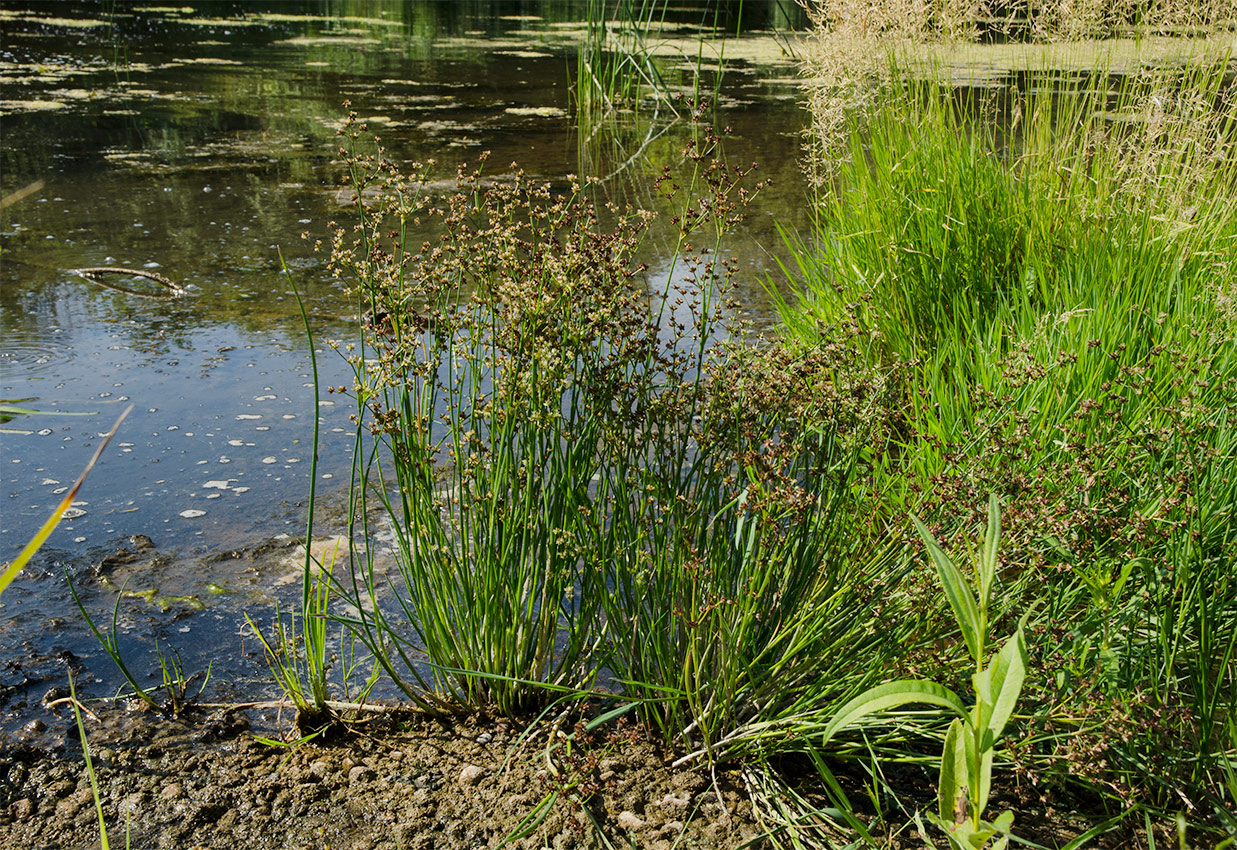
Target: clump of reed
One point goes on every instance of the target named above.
(614, 64)
(848, 52)
(594, 477)
(1044, 273)
(591, 476)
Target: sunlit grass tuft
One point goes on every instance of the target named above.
(1044, 272)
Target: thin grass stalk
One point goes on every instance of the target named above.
(90, 772)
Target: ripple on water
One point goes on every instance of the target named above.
(32, 358)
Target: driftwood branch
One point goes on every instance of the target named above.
(173, 289)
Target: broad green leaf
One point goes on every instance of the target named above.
(992, 540)
(981, 785)
(963, 836)
(1124, 577)
(952, 789)
(957, 591)
(891, 695)
(612, 714)
(974, 772)
(997, 687)
(1004, 822)
(11, 408)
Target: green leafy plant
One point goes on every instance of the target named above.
(614, 65)
(173, 685)
(970, 743)
(299, 657)
(298, 653)
(1049, 290)
(583, 473)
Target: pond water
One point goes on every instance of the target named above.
(198, 143)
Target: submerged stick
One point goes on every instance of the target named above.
(174, 289)
(21, 194)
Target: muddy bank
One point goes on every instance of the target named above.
(397, 779)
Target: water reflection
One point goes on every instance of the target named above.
(201, 145)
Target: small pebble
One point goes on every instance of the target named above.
(484, 738)
(133, 803)
(670, 829)
(628, 820)
(471, 774)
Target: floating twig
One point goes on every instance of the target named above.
(174, 290)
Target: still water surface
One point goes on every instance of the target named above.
(199, 143)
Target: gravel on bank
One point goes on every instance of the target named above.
(393, 780)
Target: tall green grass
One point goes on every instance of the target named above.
(1047, 275)
(614, 65)
(587, 482)
(593, 479)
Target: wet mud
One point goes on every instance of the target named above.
(391, 780)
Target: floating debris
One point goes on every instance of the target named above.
(192, 513)
(164, 603)
(215, 485)
(323, 41)
(536, 111)
(9, 107)
(95, 274)
(72, 23)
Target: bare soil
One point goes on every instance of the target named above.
(401, 779)
(398, 780)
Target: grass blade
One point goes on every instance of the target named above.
(40, 537)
